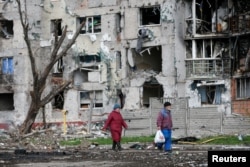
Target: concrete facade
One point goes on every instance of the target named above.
(128, 52)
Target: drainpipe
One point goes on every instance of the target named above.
(90, 115)
(194, 28)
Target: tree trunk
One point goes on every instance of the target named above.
(44, 119)
(30, 118)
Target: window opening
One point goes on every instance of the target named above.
(6, 28)
(56, 26)
(6, 70)
(151, 89)
(89, 58)
(209, 92)
(243, 88)
(150, 15)
(92, 24)
(150, 58)
(87, 96)
(208, 58)
(59, 101)
(118, 60)
(6, 65)
(6, 101)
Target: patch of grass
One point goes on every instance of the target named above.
(225, 140)
(220, 140)
(72, 142)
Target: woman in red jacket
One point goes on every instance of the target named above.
(115, 122)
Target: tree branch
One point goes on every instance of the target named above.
(54, 92)
(68, 46)
(56, 56)
(25, 26)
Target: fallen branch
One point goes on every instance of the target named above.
(35, 132)
(206, 141)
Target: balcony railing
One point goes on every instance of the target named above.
(208, 68)
(6, 79)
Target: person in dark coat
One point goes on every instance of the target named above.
(164, 123)
(115, 122)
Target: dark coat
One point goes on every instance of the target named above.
(115, 122)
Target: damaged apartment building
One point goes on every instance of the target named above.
(194, 53)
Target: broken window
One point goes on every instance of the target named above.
(6, 28)
(56, 26)
(92, 24)
(87, 96)
(211, 16)
(6, 70)
(240, 22)
(148, 59)
(242, 54)
(243, 88)
(150, 15)
(58, 68)
(118, 60)
(87, 58)
(58, 101)
(118, 19)
(6, 101)
(208, 58)
(151, 89)
(209, 91)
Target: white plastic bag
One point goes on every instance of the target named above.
(159, 137)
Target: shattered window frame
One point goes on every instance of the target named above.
(53, 24)
(209, 92)
(207, 62)
(212, 94)
(92, 24)
(146, 19)
(242, 88)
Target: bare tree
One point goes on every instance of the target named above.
(38, 99)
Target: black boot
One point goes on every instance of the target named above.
(114, 145)
(119, 146)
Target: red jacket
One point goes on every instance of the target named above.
(115, 122)
(164, 119)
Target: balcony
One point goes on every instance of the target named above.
(207, 68)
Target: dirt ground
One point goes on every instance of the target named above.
(44, 150)
(104, 157)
